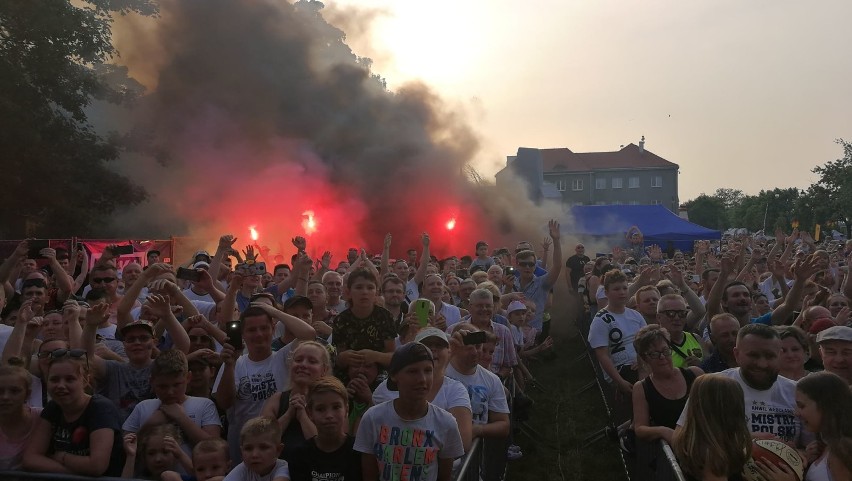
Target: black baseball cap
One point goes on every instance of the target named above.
(405, 355)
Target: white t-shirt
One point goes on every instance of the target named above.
(452, 394)
(616, 332)
(255, 382)
(242, 473)
(408, 446)
(107, 332)
(485, 391)
(192, 296)
(451, 313)
(771, 411)
(200, 410)
(411, 291)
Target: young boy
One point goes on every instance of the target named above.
(260, 445)
(196, 417)
(210, 462)
(329, 455)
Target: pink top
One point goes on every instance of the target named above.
(12, 450)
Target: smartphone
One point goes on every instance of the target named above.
(256, 269)
(188, 274)
(474, 338)
(122, 250)
(509, 271)
(421, 310)
(235, 335)
(35, 247)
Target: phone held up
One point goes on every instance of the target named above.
(474, 338)
(235, 335)
(186, 274)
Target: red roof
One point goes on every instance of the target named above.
(629, 157)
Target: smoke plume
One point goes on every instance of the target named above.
(257, 112)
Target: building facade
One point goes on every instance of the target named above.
(629, 176)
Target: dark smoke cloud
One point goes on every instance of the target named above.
(260, 112)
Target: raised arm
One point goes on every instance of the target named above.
(225, 247)
(83, 258)
(292, 324)
(553, 273)
(95, 315)
(384, 268)
(15, 341)
(125, 305)
(696, 308)
(425, 258)
(714, 299)
(803, 272)
(12, 261)
(63, 280)
(161, 307)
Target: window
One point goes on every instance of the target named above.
(560, 185)
(577, 184)
(600, 184)
(616, 182)
(657, 181)
(633, 182)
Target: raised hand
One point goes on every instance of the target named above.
(250, 254)
(71, 311)
(226, 242)
(48, 253)
(424, 239)
(97, 314)
(546, 243)
(655, 253)
(388, 239)
(676, 276)
(159, 305)
(130, 444)
(22, 250)
(25, 313)
(553, 229)
(326, 260)
(300, 243)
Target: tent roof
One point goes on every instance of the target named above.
(657, 223)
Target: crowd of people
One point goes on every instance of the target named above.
(223, 368)
(381, 368)
(744, 338)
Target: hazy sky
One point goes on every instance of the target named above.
(744, 94)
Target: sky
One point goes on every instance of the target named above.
(747, 95)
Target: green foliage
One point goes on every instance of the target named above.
(832, 193)
(708, 211)
(53, 58)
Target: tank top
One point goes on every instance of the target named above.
(690, 347)
(292, 437)
(663, 411)
(818, 471)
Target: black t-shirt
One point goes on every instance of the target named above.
(73, 437)
(312, 464)
(576, 264)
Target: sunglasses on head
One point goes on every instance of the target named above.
(62, 352)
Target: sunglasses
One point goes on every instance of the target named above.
(659, 354)
(62, 352)
(675, 313)
(105, 280)
(526, 264)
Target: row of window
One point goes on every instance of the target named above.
(632, 202)
(600, 184)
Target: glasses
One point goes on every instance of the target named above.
(62, 352)
(675, 313)
(526, 264)
(659, 354)
(105, 280)
(140, 339)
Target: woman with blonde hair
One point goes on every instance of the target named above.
(310, 361)
(714, 442)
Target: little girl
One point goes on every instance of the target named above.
(159, 447)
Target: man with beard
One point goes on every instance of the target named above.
(735, 297)
(770, 399)
(393, 292)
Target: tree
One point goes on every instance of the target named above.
(832, 193)
(731, 198)
(707, 211)
(53, 58)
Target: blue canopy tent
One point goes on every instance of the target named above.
(658, 224)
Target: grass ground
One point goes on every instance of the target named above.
(563, 418)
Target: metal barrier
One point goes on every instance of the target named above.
(471, 462)
(655, 461)
(28, 476)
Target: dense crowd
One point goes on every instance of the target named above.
(743, 339)
(221, 368)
